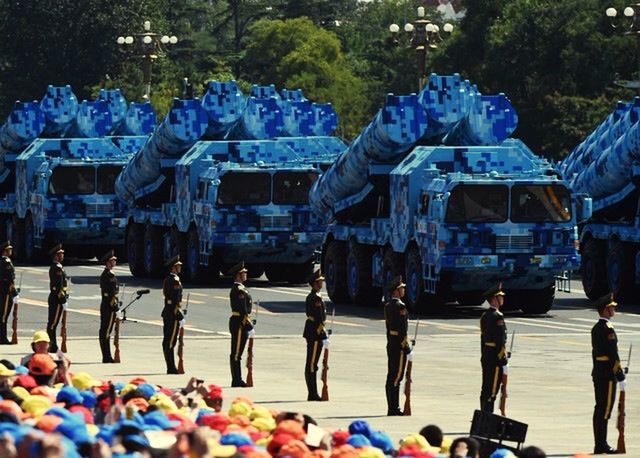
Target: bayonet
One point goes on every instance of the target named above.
(626, 369)
(333, 317)
(415, 334)
(513, 338)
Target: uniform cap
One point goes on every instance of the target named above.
(108, 256)
(605, 301)
(5, 245)
(316, 276)
(173, 261)
(56, 249)
(40, 336)
(237, 268)
(494, 291)
(395, 283)
(41, 364)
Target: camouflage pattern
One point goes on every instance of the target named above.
(60, 107)
(117, 107)
(93, 119)
(224, 103)
(25, 122)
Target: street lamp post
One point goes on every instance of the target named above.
(147, 46)
(629, 25)
(423, 35)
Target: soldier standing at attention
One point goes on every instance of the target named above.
(108, 304)
(398, 350)
(240, 325)
(172, 316)
(493, 341)
(314, 333)
(606, 371)
(57, 294)
(8, 292)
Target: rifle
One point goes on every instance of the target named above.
(503, 386)
(63, 329)
(407, 384)
(621, 448)
(181, 340)
(250, 349)
(325, 361)
(14, 324)
(116, 337)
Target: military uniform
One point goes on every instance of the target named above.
(607, 371)
(8, 292)
(314, 333)
(171, 315)
(396, 318)
(493, 343)
(108, 307)
(58, 296)
(239, 325)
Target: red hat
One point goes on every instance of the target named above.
(48, 423)
(214, 392)
(277, 441)
(217, 421)
(339, 437)
(41, 364)
(25, 381)
(291, 427)
(138, 380)
(294, 449)
(82, 410)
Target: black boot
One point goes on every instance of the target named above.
(600, 436)
(106, 351)
(487, 405)
(3, 334)
(236, 374)
(312, 387)
(393, 401)
(169, 358)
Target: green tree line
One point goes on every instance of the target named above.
(556, 60)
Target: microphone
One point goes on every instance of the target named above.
(140, 292)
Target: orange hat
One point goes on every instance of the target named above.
(44, 391)
(139, 403)
(41, 364)
(294, 449)
(12, 408)
(138, 380)
(242, 399)
(48, 423)
(291, 427)
(344, 451)
(241, 420)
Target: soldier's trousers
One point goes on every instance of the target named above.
(238, 342)
(5, 312)
(314, 349)
(491, 379)
(55, 314)
(169, 341)
(396, 364)
(605, 394)
(107, 320)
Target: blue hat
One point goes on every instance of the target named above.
(69, 395)
(360, 427)
(21, 370)
(502, 453)
(61, 412)
(146, 390)
(358, 441)
(137, 439)
(381, 440)
(106, 433)
(75, 430)
(158, 419)
(89, 399)
(118, 386)
(236, 439)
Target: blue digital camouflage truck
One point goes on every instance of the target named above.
(606, 166)
(59, 188)
(224, 179)
(432, 190)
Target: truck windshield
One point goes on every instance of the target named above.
(540, 203)
(478, 203)
(242, 188)
(72, 180)
(107, 175)
(292, 188)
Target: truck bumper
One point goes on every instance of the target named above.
(84, 231)
(288, 247)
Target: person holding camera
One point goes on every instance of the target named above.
(58, 296)
(108, 305)
(42, 367)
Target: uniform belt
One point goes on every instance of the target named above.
(235, 314)
(490, 344)
(393, 333)
(310, 318)
(602, 358)
(105, 294)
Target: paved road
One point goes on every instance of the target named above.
(550, 384)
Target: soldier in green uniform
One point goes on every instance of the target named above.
(314, 333)
(108, 304)
(8, 292)
(398, 349)
(493, 342)
(240, 325)
(606, 371)
(172, 316)
(58, 296)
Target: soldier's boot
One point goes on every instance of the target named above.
(393, 401)
(3, 334)
(487, 405)
(600, 436)
(312, 386)
(105, 348)
(53, 345)
(236, 373)
(169, 358)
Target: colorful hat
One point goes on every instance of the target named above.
(493, 291)
(395, 283)
(41, 364)
(4, 372)
(40, 336)
(605, 301)
(214, 392)
(108, 256)
(36, 405)
(316, 276)
(84, 381)
(56, 249)
(173, 261)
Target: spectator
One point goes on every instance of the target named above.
(464, 447)
(532, 452)
(433, 435)
(7, 377)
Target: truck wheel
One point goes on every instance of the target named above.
(416, 298)
(17, 238)
(255, 270)
(535, 301)
(621, 270)
(153, 255)
(276, 273)
(299, 273)
(392, 266)
(594, 269)
(470, 298)
(31, 253)
(359, 278)
(335, 272)
(135, 249)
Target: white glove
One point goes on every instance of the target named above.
(505, 369)
(622, 385)
(251, 334)
(64, 306)
(410, 356)
(16, 298)
(181, 323)
(325, 343)
(59, 354)
(119, 315)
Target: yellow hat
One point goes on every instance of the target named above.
(21, 392)
(239, 408)
(445, 445)
(370, 452)
(4, 372)
(217, 450)
(260, 412)
(166, 405)
(36, 405)
(128, 387)
(264, 423)
(40, 336)
(84, 381)
(420, 441)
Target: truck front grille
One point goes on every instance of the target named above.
(514, 242)
(99, 209)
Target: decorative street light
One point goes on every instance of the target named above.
(628, 25)
(423, 35)
(147, 46)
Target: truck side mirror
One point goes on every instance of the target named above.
(584, 207)
(437, 208)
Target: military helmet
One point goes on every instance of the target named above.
(237, 269)
(56, 249)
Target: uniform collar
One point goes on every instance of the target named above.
(604, 318)
(238, 283)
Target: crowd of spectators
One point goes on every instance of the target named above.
(46, 410)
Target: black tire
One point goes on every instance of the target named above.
(153, 251)
(177, 244)
(416, 298)
(335, 272)
(359, 277)
(470, 298)
(299, 273)
(276, 273)
(134, 242)
(31, 253)
(255, 270)
(392, 266)
(621, 260)
(535, 301)
(594, 269)
(17, 238)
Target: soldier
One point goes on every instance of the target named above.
(57, 294)
(172, 312)
(240, 325)
(398, 350)
(493, 342)
(606, 371)
(108, 304)
(8, 292)
(314, 333)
